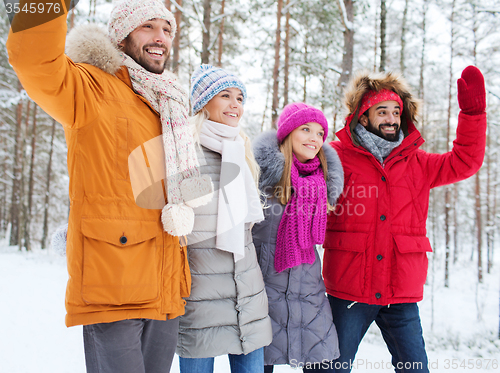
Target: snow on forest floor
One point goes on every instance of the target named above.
(34, 339)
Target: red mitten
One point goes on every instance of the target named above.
(471, 92)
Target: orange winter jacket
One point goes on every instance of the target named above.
(121, 263)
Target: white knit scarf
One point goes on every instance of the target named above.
(239, 201)
(185, 188)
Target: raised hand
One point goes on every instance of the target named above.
(471, 92)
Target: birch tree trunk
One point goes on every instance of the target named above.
(277, 46)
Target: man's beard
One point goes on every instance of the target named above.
(134, 52)
(377, 131)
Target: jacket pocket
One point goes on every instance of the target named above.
(345, 260)
(409, 269)
(120, 264)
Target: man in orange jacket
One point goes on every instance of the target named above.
(119, 108)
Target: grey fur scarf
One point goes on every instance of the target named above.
(272, 163)
(379, 147)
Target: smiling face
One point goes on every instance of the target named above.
(307, 140)
(149, 45)
(226, 107)
(384, 120)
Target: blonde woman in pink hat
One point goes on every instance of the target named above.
(301, 178)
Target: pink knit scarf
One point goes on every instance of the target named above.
(303, 223)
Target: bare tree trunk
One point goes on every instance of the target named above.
(221, 33)
(267, 105)
(479, 225)
(92, 8)
(490, 226)
(479, 221)
(421, 85)
(447, 188)
(27, 222)
(207, 10)
(22, 192)
(494, 215)
(304, 97)
(177, 40)
(276, 71)
(347, 13)
(403, 39)
(383, 16)
(15, 207)
(47, 188)
(168, 66)
(3, 198)
(287, 54)
(455, 223)
(375, 44)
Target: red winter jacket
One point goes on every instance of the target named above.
(376, 245)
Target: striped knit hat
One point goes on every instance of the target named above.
(207, 81)
(127, 15)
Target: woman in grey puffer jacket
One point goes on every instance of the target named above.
(303, 330)
(227, 311)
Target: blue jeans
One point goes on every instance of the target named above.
(249, 363)
(400, 327)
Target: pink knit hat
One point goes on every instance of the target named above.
(295, 115)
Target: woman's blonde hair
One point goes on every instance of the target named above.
(196, 123)
(283, 189)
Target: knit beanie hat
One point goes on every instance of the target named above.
(295, 115)
(207, 81)
(127, 15)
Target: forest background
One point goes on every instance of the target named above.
(285, 51)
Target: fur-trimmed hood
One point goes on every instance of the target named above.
(90, 43)
(365, 81)
(272, 163)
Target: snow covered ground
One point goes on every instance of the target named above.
(33, 338)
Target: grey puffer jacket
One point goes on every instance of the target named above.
(303, 329)
(227, 311)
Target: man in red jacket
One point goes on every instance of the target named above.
(375, 262)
